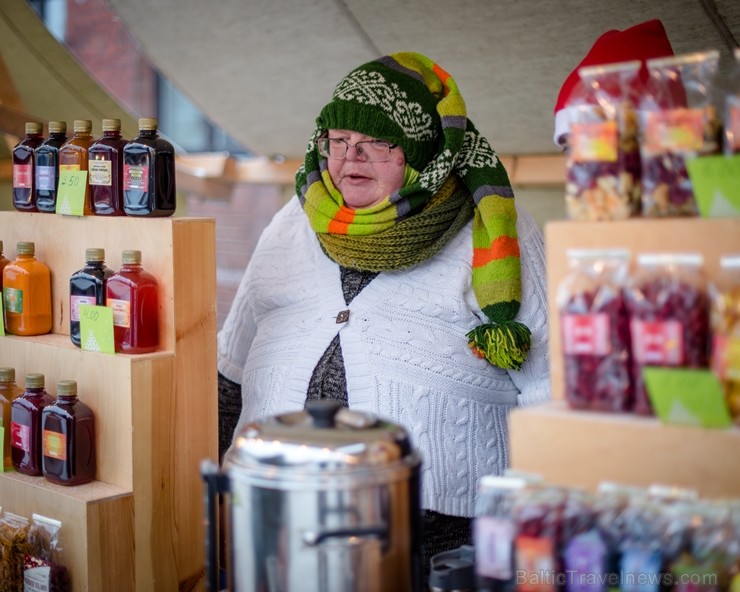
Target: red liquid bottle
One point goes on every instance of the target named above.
(149, 173)
(25, 425)
(133, 294)
(9, 391)
(68, 438)
(73, 155)
(23, 164)
(106, 170)
(47, 167)
(87, 286)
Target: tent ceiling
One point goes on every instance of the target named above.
(262, 69)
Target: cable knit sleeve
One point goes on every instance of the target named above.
(533, 380)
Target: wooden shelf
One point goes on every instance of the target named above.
(139, 526)
(580, 448)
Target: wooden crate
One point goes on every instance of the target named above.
(582, 448)
(139, 527)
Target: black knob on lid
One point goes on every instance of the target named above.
(323, 412)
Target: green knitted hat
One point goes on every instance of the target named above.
(380, 101)
(409, 100)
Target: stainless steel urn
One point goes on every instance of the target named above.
(323, 500)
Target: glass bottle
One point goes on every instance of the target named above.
(68, 438)
(9, 391)
(3, 263)
(73, 155)
(47, 167)
(25, 425)
(27, 293)
(87, 286)
(106, 170)
(23, 162)
(149, 173)
(133, 294)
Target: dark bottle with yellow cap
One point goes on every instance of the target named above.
(47, 167)
(23, 168)
(149, 173)
(106, 170)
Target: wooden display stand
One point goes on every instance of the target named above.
(581, 449)
(139, 525)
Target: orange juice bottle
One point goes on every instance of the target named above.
(73, 155)
(9, 390)
(27, 293)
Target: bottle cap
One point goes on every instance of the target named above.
(147, 123)
(25, 248)
(35, 380)
(111, 125)
(83, 125)
(7, 374)
(94, 254)
(57, 127)
(66, 388)
(131, 257)
(34, 127)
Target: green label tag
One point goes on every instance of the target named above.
(714, 179)
(2, 317)
(71, 192)
(96, 329)
(2, 449)
(686, 396)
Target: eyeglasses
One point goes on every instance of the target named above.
(370, 150)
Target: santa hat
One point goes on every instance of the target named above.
(641, 42)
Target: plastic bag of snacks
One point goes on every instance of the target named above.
(668, 307)
(725, 297)
(603, 157)
(584, 549)
(42, 563)
(678, 121)
(641, 560)
(13, 546)
(732, 111)
(595, 333)
(493, 531)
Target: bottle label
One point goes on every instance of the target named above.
(46, 178)
(535, 564)
(54, 445)
(586, 334)
(584, 563)
(640, 571)
(74, 305)
(20, 436)
(100, 172)
(657, 342)
(37, 578)
(494, 539)
(13, 300)
(22, 176)
(135, 177)
(69, 167)
(121, 312)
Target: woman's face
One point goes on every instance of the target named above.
(363, 183)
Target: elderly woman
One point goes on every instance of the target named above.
(401, 280)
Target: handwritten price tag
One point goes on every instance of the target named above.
(71, 192)
(716, 187)
(96, 328)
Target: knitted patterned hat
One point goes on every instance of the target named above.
(643, 41)
(407, 99)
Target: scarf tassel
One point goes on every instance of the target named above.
(503, 344)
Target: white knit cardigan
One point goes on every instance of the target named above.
(404, 348)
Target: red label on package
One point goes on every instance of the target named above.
(675, 130)
(535, 565)
(135, 177)
(20, 436)
(22, 176)
(594, 142)
(586, 334)
(121, 312)
(658, 343)
(54, 444)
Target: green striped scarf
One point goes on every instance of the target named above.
(407, 99)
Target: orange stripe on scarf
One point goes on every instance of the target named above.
(443, 76)
(342, 219)
(502, 247)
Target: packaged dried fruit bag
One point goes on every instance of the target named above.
(13, 546)
(603, 156)
(43, 568)
(678, 121)
(641, 561)
(668, 306)
(595, 332)
(725, 297)
(732, 111)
